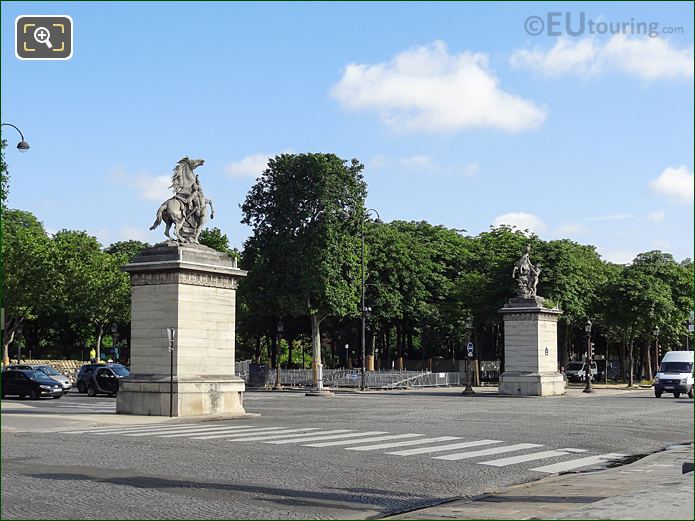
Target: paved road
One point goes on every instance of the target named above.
(388, 452)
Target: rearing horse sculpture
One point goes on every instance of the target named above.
(187, 209)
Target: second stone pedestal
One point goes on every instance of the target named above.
(530, 349)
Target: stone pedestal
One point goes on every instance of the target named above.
(191, 288)
(530, 349)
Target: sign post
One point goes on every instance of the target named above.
(469, 352)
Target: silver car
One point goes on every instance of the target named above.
(54, 374)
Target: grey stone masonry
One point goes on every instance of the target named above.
(530, 349)
(191, 288)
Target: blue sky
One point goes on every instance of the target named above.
(461, 117)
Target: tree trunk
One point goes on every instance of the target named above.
(621, 361)
(631, 364)
(647, 363)
(290, 341)
(100, 335)
(257, 352)
(316, 347)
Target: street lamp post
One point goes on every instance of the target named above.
(280, 329)
(468, 325)
(587, 329)
(22, 146)
(364, 309)
(114, 333)
(171, 335)
(656, 349)
(17, 335)
(347, 354)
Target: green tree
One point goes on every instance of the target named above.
(94, 290)
(128, 249)
(28, 282)
(4, 175)
(303, 254)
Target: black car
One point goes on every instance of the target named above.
(84, 377)
(105, 379)
(31, 383)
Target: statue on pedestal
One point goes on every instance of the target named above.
(187, 209)
(526, 274)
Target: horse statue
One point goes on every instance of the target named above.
(526, 274)
(186, 210)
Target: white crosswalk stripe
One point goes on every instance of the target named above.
(261, 430)
(362, 440)
(275, 436)
(488, 452)
(174, 431)
(513, 460)
(249, 434)
(169, 428)
(578, 463)
(219, 432)
(322, 438)
(134, 428)
(442, 448)
(404, 443)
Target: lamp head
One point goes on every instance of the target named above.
(23, 146)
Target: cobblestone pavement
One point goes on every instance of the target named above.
(386, 452)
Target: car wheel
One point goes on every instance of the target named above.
(91, 390)
(657, 394)
(81, 388)
(676, 395)
(34, 394)
(690, 392)
(56, 397)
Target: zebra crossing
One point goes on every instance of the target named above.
(487, 452)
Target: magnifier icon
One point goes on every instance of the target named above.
(43, 35)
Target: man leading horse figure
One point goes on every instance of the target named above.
(187, 209)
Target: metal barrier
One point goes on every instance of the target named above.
(351, 378)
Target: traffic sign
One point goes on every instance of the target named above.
(469, 348)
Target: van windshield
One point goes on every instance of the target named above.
(676, 367)
(575, 366)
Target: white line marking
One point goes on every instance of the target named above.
(288, 436)
(440, 448)
(221, 432)
(362, 440)
(487, 452)
(105, 430)
(513, 460)
(322, 438)
(404, 443)
(236, 434)
(577, 463)
(174, 431)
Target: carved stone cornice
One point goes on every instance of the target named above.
(192, 278)
(536, 316)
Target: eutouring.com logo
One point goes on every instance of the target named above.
(557, 23)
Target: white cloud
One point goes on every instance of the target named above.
(661, 244)
(647, 58)
(610, 217)
(522, 221)
(251, 166)
(656, 217)
(147, 186)
(674, 183)
(418, 161)
(566, 230)
(428, 89)
(618, 256)
(470, 169)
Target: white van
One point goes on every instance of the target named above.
(576, 371)
(675, 374)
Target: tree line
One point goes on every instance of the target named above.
(429, 289)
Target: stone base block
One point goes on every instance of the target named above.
(531, 384)
(148, 395)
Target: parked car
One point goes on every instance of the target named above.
(53, 373)
(24, 382)
(576, 371)
(675, 374)
(104, 379)
(84, 376)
